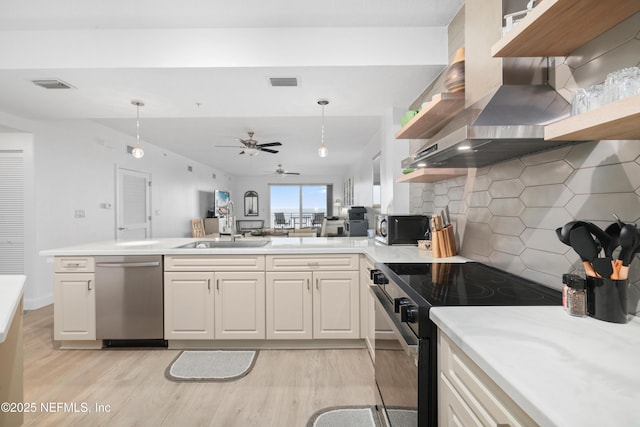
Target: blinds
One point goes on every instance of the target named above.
(134, 193)
(11, 212)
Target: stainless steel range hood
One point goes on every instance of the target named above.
(508, 100)
(505, 124)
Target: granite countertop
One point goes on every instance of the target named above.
(561, 370)
(11, 288)
(277, 245)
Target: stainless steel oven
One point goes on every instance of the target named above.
(396, 368)
(406, 365)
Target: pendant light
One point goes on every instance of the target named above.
(137, 151)
(323, 150)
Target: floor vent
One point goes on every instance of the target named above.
(283, 81)
(52, 84)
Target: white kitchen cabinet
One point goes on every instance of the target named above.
(289, 305)
(74, 264)
(322, 262)
(218, 297)
(466, 394)
(214, 263)
(74, 309)
(239, 305)
(336, 305)
(188, 305)
(335, 294)
(367, 302)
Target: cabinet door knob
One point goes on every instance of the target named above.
(209, 284)
(88, 285)
(317, 286)
(308, 285)
(218, 285)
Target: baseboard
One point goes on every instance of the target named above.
(36, 303)
(266, 344)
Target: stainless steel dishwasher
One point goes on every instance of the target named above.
(129, 300)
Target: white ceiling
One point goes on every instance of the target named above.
(202, 68)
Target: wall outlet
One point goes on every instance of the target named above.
(80, 213)
(106, 205)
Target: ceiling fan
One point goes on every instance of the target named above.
(251, 147)
(281, 172)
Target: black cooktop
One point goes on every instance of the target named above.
(470, 283)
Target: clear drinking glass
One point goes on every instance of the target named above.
(622, 83)
(595, 96)
(579, 102)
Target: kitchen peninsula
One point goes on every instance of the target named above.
(299, 290)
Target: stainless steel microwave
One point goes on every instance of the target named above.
(402, 229)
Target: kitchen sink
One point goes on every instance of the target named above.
(208, 244)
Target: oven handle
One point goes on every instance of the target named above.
(408, 340)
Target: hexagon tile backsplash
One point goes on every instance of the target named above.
(506, 214)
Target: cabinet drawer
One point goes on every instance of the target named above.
(73, 264)
(489, 403)
(214, 263)
(312, 262)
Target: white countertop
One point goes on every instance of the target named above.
(561, 370)
(11, 288)
(277, 245)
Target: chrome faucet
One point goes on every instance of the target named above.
(231, 213)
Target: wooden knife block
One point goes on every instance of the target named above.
(443, 242)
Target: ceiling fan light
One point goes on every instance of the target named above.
(323, 151)
(251, 151)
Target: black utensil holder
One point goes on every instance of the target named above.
(607, 299)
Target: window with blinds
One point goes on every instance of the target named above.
(11, 212)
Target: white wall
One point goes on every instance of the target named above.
(394, 197)
(74, 167)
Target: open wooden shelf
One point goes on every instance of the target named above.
(558, 27)
(431, 174)
(442, 108)
(618, 120)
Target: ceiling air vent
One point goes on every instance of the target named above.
(52, 84)
(283, 81)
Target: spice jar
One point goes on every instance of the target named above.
(566, 279)
(576, 298)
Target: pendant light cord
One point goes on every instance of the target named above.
(138, 125)
(322, 124)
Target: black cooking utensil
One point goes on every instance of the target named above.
(584, 245)
(613, 231)
(563, 232)
(603, 266)
(629, 240)
(603, 239)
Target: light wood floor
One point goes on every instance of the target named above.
(284, 389)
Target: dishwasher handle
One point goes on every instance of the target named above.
(128, 264)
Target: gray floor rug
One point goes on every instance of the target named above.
(345, 416)
(211, 365)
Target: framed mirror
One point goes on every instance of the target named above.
(251, 203)
(377, 197)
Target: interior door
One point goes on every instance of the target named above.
(133, 220)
